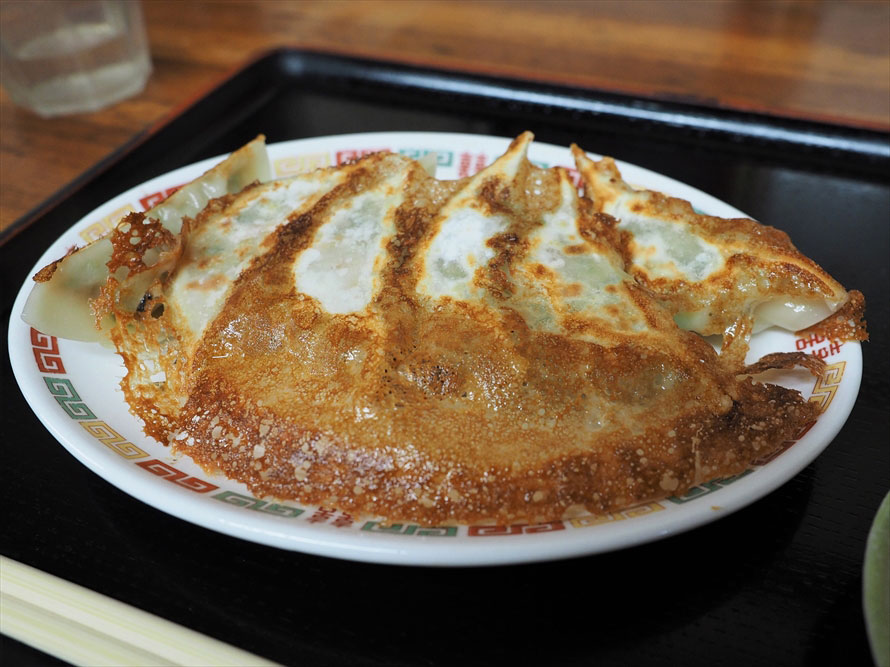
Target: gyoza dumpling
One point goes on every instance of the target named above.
(715, 275)
(59, 304)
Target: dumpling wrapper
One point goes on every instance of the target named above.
(59, 303)
(710, 272)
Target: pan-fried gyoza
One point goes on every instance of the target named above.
(369, 338)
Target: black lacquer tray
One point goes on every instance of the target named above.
(776, 583)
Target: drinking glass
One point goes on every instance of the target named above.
(71, 56)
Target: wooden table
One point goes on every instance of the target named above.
(825, 61)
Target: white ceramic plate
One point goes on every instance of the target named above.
(73, 389)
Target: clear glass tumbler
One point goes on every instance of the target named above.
(71, 56)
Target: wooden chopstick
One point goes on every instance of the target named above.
(83, 627)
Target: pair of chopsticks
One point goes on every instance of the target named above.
(83, 627)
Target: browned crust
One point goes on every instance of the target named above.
(426, 486)
(132, 238)
(46, 273)
(786, 360)
(455, 411)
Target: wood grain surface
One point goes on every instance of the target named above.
(826, 61)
